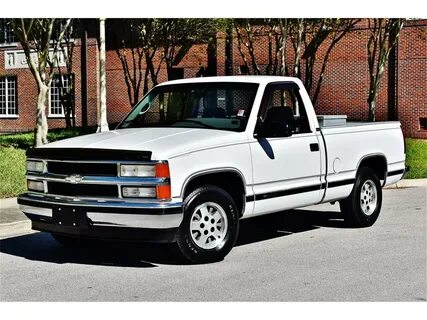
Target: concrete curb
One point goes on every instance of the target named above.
(15, 228)
(8, 203)
(408, 183)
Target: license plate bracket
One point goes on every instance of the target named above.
(69, 216)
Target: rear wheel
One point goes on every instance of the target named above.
(363, 205)
(210, 226)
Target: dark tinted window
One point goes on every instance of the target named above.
(285, 95)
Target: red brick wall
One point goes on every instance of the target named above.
(118, 104)
(27, 92)
(412, 89)
(345, 84)
(344, 89)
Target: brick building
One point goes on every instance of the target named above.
(344, 89)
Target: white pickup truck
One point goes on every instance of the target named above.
(195, 156)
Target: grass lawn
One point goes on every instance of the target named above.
(26, 140)
(12, 171)
(12, 159)
(416, 158)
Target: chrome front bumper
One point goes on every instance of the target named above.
(106, 213)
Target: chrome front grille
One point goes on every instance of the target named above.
(90, 173)
(82, 190)
(82, 168)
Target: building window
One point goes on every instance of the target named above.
(8, 105)
(423, 123)
(61, 84)
(6, 32)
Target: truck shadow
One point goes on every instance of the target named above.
(286, 223)
(41, 246)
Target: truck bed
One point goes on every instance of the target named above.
(348, 143)
(356, 126)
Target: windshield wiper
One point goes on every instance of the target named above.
(197, 122)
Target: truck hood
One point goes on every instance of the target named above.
(164, 143)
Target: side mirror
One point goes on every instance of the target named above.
(274, 129)
(279, 122)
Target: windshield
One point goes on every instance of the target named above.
(213, 105)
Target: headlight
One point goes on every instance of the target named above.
(34, 185)
(159, 170)
(35, 166)
(127, 170)
(138, 192)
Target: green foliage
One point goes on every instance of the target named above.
(12, 171)
(416, 158)
(26, 140)
(12, 157)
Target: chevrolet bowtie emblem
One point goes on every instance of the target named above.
(74, 178)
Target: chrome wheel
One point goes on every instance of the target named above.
(208, 225)
(368, 197)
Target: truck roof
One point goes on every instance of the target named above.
(242, 78)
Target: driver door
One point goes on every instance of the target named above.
(286, 170)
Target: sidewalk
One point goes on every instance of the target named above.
(12, 220)
(408, 183)
(9, 211)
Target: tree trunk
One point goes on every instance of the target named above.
(284, 31)
(372, 105)
(392, 88)
(102, 111)
(41, 120)
(298, 46)
(229, 51)
(83, 68)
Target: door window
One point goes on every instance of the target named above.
(285, 95)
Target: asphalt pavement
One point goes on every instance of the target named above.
(300, 255)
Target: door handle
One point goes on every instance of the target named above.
(314, 147)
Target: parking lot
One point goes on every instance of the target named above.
(300, 255)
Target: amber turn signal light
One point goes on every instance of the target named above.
(162, 170)
(163, 192)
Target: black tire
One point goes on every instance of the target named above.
(187, 245)
(352, 207)
(70, 242)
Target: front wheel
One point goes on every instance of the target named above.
(210, 226)
(363, 205)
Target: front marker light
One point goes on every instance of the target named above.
(34, 185)
(35, 166)
(128, 170)
(163, 192)
(138, 192)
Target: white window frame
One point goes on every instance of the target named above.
(6, 88)
(62, 114)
